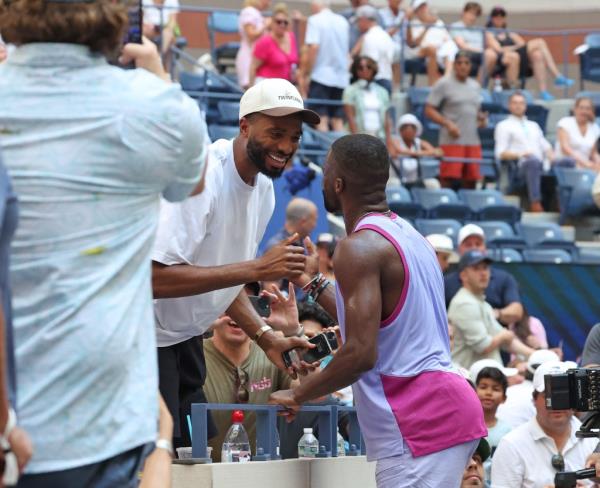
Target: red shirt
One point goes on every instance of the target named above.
(275, 62)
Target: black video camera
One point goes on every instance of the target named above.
(577, 389)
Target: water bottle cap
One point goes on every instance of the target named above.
(237, 417)
(308, 430)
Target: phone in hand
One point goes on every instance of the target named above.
(324, 345)
(262, 305)
(135, 26)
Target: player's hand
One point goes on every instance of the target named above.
(453, 130)
(284, 310)
(144, 56)
(285, 399)
(274, 346)
(283, 260)
(21, 446)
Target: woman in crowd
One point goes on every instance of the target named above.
(534, 55)
(577, 136)
(366, 103)
(275, 55)
(252, 25)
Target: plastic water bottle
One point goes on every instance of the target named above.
(341, 444)
(236, 447)
(308, 446)
(497, 84)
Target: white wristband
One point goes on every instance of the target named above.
(11, 423)
(165, 444)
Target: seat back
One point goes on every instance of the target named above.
(536, 233)
(223, 22)
(217, 131)
(448, 227)
(593, 39)
(505, 255)
(433, 198)
(556, 256)
(398, 194)
(228, 112)
(478, 199)
(575, 191)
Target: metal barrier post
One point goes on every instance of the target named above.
(199, 432)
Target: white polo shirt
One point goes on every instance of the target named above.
(518, 407)
(222, 225)
(520, 135)
(523, 458)
(378, 45)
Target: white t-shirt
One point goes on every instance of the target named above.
(519, 135)
(410, 166)
(378, 45)
(152, 14)
(372, 112)
(222, 225)
(331, 32)
(582, 144)
(518, 407)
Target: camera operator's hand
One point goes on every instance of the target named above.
(593, 461)
(285, 398)
(283, 260)
(145, 56)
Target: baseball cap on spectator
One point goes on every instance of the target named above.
(540, 357)
(410, 119)
(477, 366)
(366, 12)
(276, 97)
(551, 367)
(473, 257)
(483, 449)
(417, 3)
(441, 243)
(469, 230)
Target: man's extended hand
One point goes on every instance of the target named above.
(285, 398)
(274, 346)
(283, 260)
(284, 311)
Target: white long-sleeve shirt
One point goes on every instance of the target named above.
(520, 135)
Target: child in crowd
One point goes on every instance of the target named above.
(491, 387)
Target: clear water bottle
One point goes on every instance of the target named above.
(277, 446)
(497, 84)
(236, 447)
(308, 446)
(341, 444)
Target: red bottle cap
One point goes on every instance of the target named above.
(237, 417)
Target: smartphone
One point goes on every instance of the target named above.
(322, 350)
(262, 305)
(134, 28)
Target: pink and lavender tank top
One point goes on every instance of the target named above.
(412, 396)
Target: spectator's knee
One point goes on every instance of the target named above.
(536, 55)
(490, 56)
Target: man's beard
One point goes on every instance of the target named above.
(258, 154)
(330, 207)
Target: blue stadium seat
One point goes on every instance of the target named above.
(224, 23)
(429, 167)
(216, 131)
(505, 255)
(546, 235)
(192, 81)
(490, 205)
(229, 112)
(556, 256)
(589, 61)
(588, 256)
(489, 169)
(308, 139)
(448, 227)
(575, 192)
(441, 204)
(500, 234)
(400, 202)
(417, 96)
(414, 67)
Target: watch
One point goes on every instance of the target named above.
(165, 444)
(11, 423)
(261, 331)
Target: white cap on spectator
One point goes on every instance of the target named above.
(540, 357)
(553, 367)
(417, 3)
(469, 230)
(441, 243)
(275, 97)
(325, 238)
(477, 366)
(366, 12)
(410, 119)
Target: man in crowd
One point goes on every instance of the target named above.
(327, 41)
(474, 474)
(518, 138)
(454, 103)
(350, 15)
(417, 438)
(444, 249)
(533, 453)
(478, 334)
(205, 249)
(502, 292)
(89, 155)
(300, 219)
(392, 18)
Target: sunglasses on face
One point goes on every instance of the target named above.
(558, 462)
(282, 22)
(242, 394)
(364, 66)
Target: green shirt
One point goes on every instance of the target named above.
(263, 379)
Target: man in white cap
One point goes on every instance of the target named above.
(205, 249)
(502, 292)
(444, 249)
(518, 408)
(532, 454)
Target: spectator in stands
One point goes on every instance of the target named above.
(313, 318)
(531, 331)
(409, 147)
(325, 245)
(375, 43)
(350, 15)
(502, 292)
(205, 249)
(533, 453)
(365, 102)
(85, 346)
(428, 38)
(518, 138)
(392, 18)
(252, 25)
(300, 219)
(518, 407)
(160, 24)
(577, 136)
(472, 41)
(454, 103)
(444, 249)
(474, 475)
(326, 40)
(590, 357)
(478, 335)
(275, 54)
(534, 54)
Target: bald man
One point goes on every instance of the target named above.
(300, 217)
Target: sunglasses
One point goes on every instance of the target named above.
(242, 394)
(558, 462)
(364, 66)
(282, 22)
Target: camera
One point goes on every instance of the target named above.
(325, 344)
(577, 389)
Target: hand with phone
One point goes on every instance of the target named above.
(144, 55)
(283, 310)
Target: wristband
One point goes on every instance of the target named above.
(314, 283)
(261, 331)
(317, 293)
(299, 332)
(164, 444)
(11, 423)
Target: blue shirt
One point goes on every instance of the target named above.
(502, 290)
(90, 147)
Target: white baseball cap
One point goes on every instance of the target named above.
(550, 367)
(441, 243)
(366, 12)
(469, 230)
(540, 357)
(278, 98)
(477, 366)
(417, 3)
(410, 119)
